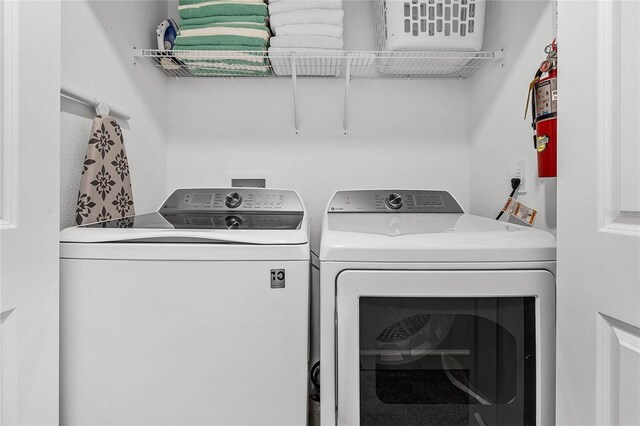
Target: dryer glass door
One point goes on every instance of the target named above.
(432, 358)
(455, 361)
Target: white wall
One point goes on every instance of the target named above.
(401, 133)
(499, 134)
(97, 42)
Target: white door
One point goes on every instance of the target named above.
(29, 143)
(598, 362)
(455, 347)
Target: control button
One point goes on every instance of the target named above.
(233, 200)
(394, 201)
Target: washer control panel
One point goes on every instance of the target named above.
(397, 201)
(232, 199)
(226, 220)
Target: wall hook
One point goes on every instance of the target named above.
(103, 109)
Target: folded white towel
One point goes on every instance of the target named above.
(291, 5)
(310, 29)
(308, 41)
(310, 16)
(305, 51)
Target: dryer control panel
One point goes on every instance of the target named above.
(394, 201)
(232, 199)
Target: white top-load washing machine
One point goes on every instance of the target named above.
(194, 314)
(433, 316)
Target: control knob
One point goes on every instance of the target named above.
(232, 222)
(394, 201)
(233, 200)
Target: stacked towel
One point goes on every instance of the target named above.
(312, 29)
(223, 37)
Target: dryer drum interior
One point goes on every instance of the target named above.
(454, 360)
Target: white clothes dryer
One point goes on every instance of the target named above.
(433, 316)
(194, 314)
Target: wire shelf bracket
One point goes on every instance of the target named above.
(294, 85)
(347, 81)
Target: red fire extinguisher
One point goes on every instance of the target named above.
(544, 110)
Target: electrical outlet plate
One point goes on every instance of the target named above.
(519, 171)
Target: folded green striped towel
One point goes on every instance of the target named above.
(186, 29)
(254, 50)
(230, 56)
(223, 8)
(187, 23)
(210, 72)
(229, 68)
(225, 58)
(226, 64)
(225, 35)
(240, 42)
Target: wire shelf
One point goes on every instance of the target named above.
(353, 64)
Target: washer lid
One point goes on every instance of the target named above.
(214, 215)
